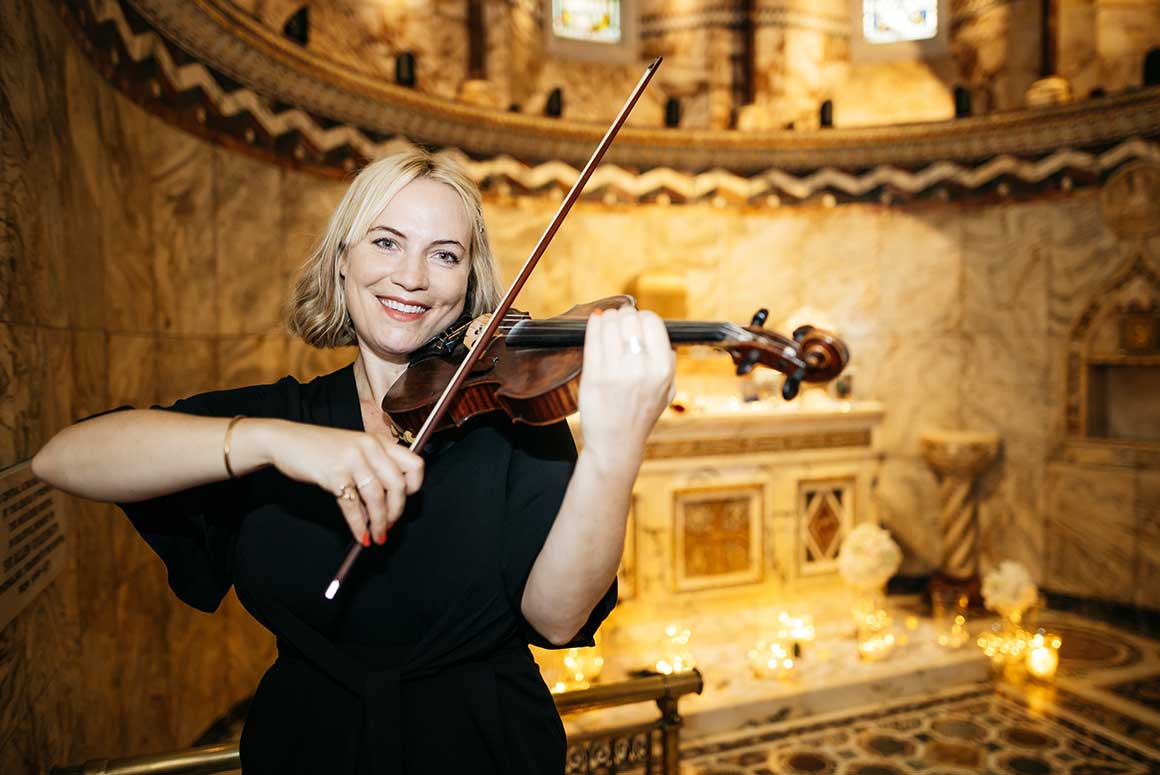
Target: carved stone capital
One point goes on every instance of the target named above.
(959, 454)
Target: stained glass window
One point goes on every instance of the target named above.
(591, 20)
(892, 21)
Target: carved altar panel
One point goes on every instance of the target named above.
(717, 533)
(825, 514)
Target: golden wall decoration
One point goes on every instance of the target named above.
(718, 537)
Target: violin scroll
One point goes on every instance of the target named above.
(812, 355)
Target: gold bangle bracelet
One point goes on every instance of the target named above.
(226, 445)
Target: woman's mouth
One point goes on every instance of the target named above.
(402, 311)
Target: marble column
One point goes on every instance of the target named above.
(958, 457)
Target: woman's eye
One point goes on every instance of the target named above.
(386, 243)
(447, 257)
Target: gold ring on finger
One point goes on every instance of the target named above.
(346, 493)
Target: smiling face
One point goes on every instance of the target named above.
(406, 280)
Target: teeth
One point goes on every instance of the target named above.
(409, 308)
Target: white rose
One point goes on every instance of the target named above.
(1009, 587)
(868, 557)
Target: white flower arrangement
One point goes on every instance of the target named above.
(1009, 587)
(868, 557)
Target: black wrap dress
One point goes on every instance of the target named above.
(421, 664)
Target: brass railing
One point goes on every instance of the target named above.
(652, 746)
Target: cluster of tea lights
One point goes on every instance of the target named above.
(874, 628)
(676, 657)
(1039, 653)
(778, 657)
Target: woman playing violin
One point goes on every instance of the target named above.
(500, 535)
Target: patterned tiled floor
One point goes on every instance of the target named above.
(976, 730)
(1100, 715)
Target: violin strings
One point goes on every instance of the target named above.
(526, 331)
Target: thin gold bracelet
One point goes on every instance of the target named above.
(226, 445)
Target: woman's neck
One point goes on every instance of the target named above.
(374, 376)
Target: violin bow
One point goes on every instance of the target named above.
(509, 298)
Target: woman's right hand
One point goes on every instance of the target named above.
(376, 472)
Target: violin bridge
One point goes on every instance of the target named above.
(475, 330)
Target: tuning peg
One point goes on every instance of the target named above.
(759, 317)
(792, 384)
(800, 332)
(746, 364)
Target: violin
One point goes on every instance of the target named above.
(540, 361)
(531, 368)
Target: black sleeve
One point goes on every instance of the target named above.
(194, 531)
(541, 467)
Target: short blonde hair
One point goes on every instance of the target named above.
(317, 309)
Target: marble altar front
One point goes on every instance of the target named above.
(737, 514)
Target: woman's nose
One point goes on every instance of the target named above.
(411, 273)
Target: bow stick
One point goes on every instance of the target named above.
(497, 317)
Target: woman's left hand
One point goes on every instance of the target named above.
(626, 383)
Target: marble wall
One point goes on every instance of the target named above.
(140, 264)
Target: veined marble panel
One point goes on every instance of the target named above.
(514, 228)
(1084, 255)
(306, 362)
(251, 360)
(1148, 542)
(127, 228)
(34, 162)
(54, 356)
(1005, 274)
(250, 647)
(1091, 523)
(197, 657)
(145, 606)
(250, 272)
(306, 205)
(82, 203)
(907, 499)
(1009, 491)
(185, 235)
(132, 374)
(185, 366)
(922, 382)
(920, 261)
(90, 365)
(763, 267)
(21, 401)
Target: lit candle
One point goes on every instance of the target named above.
(772, 660)
(676, 658)
(1043, 657)
(796, 631)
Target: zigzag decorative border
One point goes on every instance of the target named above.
(166, 80)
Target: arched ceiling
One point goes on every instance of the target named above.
(327, 112)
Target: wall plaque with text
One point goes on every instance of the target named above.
(32, 541)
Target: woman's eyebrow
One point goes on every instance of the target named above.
(401, 235)
(396, 232)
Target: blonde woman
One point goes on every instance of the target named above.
(498, 537)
